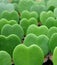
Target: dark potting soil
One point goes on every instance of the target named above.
(12, 64)
(48, 62)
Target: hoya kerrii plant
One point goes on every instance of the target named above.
(44, 15)
(8, 43)
(25, 23)
(55, 56)
(42, 41)
(53, 42)
(4, 21)
(37, 30)
(13, 29)
(10, 15)
(5, 58)
(27, 14)
(51, 31)
(32, 55)
(50, 22)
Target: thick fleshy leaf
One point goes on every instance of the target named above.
(51, 31)
(50, 22)
(28, 15)
(10, 15)
(5, 58)
(42, 41)
(55, 56)
(4, 21)
(32, 55)
(44, 15)
(25, 23)
(53, 42)
(37, 30)
(9, 43)
(13, 29)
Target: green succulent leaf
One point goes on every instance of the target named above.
(55, 56)
(51, 31)
(5, 58)
(10, 15)
(50, 22)
(25, 23)
(28, 15)
(42, 41)
(53, 42)
(37, 30)
(9, 43)
(44, 15)
(4, 21)
(13, 29)
(32, 55)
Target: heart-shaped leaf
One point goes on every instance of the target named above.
(5, 58)
(42, 41)
(13, 29)
(44, 15)
(25, 5)
(32, 55)
(37, 30)
(4, 21)
(8, 43)
(55, 56)
(10, 15)
(25, 23)
(53, 42)
(51, 31)
(28, 15)
(50, 22)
